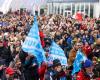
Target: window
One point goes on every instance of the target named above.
(62, 11)
(68, 7)
(73, 9)
(86, 9)
(55, 9)
(91, 10)
(82, 8)
(65, 13)
(78, 7)
(58, 10)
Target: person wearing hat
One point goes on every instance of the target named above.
(53, 69)
(86, 73)
(57, 73)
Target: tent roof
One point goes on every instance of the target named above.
(72, 1)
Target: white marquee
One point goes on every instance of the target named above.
(5, 5)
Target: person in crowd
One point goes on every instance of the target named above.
(86, 73)
(58, 73)
(48, 73)
(96, 71)
(5, 53)
(95, 51)
(42, 70)
(65, 31)
(9, 73)
(73, 52)
(55, 71)
(31, 68)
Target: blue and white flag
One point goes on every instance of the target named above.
(32, 43)
(56, 52)
(80, 57)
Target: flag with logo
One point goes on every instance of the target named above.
(56, 52)
(32, 43)
(80, 57)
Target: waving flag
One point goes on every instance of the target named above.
(32, 43)
(56, 52)
(80, 57)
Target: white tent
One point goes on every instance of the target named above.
(1, 4)
(5, 5)
(33, 5)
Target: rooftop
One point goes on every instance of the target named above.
(72, 1)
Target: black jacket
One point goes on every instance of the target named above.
(31, 72)
(5, 53)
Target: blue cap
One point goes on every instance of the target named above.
(88, 63)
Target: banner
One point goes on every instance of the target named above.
(32, 43)
(56, 52)
(80, 57)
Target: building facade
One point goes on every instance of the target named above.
(70, 7)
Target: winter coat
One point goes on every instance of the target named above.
(42, 71)
(72, 55)
(69, 43)
(91, 40)
(97, 79)
(48, 75)
(81, 76)
(5, 53)
(58, 75)
(96, 51)
(54, 75)
(87, 50)
(31, 72)
(87, 38)
(42, 38)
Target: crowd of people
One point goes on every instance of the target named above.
(69, 33)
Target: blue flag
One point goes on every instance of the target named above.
(56, 52)
(80, 57)
(32, 43)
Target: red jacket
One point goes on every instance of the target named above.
(87, 50)
(97, 78)
(42, 38)
(83, 27)
(81, 76)
(42, 71)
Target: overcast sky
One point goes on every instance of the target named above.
(1, 2)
